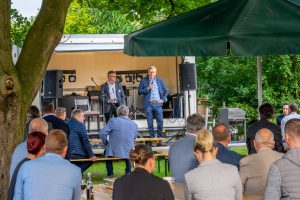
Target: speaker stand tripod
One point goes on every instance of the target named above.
(133, 110)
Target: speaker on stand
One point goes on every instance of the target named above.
(188, 79)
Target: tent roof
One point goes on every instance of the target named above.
(90, 42)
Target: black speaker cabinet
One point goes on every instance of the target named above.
(53, 84)
(188, 76)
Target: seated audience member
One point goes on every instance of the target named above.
(61, 113)
(51, 176)
(284, 175)
(33, 113)
(56, 122)
(79, 144)
(266, 112)
(182, 151)
(121, 132)
(222, 136)
(141, 183)
(293, 108)
(285, 112)
(212, 179)
(35, 147)
(20, 152)
(254, 168)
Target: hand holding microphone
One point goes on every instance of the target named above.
(150, 86)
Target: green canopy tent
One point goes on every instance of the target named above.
(246, 27)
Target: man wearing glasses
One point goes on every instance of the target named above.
(111, 95)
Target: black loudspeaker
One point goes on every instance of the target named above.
(53, 84)
(188, 76)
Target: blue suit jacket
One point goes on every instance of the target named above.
(182, 158)
(122, 133)
(79, 143)
(104, 95)
(226, 156)
(162, 89)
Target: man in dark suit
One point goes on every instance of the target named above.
(111, 95)
(155, 93)
(50, 117)
(266, 112)
(222, 136)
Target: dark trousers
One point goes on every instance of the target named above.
(154, 109)
(112, 112)
(110, 169)
(83, 165)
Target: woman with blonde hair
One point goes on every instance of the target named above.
(211, 179)
(141, 183)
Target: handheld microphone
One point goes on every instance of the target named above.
(92, 78)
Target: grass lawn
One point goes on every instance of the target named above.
(98, 170)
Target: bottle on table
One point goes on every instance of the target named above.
(89, 188)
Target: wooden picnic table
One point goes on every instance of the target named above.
(101, 192)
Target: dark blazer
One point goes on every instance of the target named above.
(162, 89)
(141, 185)
(226, 156)
(104, 95)
(57, 123)
(264, 123)
(79, 143)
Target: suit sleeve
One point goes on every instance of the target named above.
(168, 193)
(105, 131)
(85, 141)
(278, 142)
(238, 187)
(102, 94)
(273, 187)
(165, 91)
(243, 173)
(143, 87)
(187, 194)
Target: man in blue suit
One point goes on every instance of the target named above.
(181, 153)
(222, 136)
(118, 136)
(155, 93)
(111, 95)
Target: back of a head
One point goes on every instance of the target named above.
(264, 137)
(33, 112)
(38, 125)
(35, 142)
(140, 154)
(194, 123)
(47, 107)
(220, 132)
(292, 128)
(293, 107)
(122, 111)
(266, 110)
(204, 142)
(56, 142)
(60, 111)
(76, 112)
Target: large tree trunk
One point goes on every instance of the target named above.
(19, 84)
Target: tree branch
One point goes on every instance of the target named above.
(172, 9)
(6, 64)
(39, 44)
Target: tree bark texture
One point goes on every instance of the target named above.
(19, 84)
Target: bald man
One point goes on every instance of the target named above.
(222, 136)
(20, 152)
(255, 167)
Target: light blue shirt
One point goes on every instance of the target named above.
(49, 177)
(292, 115)
(19, 154)
(154, 96)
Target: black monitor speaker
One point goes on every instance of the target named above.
(53, 84)
(188, 76)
